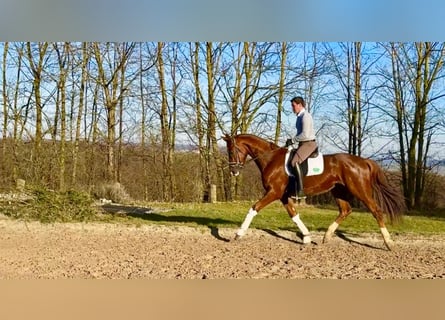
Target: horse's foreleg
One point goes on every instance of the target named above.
(268, 198)
(303, 229)
(246, 223)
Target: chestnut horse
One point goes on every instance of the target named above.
(345, 175)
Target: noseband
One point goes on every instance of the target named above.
(238, 164)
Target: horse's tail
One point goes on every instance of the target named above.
(388, 197)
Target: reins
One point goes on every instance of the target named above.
(238, 163)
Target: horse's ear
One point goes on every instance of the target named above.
(226, 137)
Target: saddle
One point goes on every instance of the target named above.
(313, 165)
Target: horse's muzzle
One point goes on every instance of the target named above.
(235, 167)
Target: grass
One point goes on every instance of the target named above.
(273, 217)
(49, 206)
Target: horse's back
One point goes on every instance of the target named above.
(346, 158)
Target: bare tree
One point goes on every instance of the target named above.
(415, 69)
(243, 85)
(5, 101)
(213, 56)
(252, 91)
(349, 75)
(195, 126)
(37, 74)
(82, 93)
(63, 59)
(16, 110)
(143, 119)
(306, 75)
(166, 129)
(281, 90)
(111, 61)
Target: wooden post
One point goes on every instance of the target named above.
(20, 185)
(213, 193)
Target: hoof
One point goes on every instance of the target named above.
(307, 240)
(389, 245)
(237, 237)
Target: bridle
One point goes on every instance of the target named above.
(238, 164)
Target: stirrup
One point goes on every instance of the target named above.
(298, 197)
(300, 201)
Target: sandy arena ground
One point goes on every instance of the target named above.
(109, 251)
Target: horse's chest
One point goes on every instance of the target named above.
(273, 172)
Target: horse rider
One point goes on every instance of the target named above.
(303, 141)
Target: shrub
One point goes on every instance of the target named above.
(112, 191)
(49, 206)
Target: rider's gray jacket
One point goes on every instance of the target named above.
(305, 128)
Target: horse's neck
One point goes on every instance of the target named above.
(257, 153)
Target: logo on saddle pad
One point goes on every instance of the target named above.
(309, 167)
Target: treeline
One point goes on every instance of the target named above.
(77, 115)
(136, 182)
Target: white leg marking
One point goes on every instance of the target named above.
(330, 231)
(386, 235)
(332, 228)
(387, 238)
(246, 223)
(303, 229)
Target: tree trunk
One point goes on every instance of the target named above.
(281, 88)
(110, 80)
(420, 70)
(357, 112)
(17, 113)
(165, 136)
(143, 129)
(82, 94)
(37, 70)
(203, 173)
(3, 164)
(63, 61)
(5, 100)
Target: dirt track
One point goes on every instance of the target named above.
(93, 250)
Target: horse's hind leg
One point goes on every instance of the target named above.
(345, 209)
(378, 215)
(342, 197)
(366, 197)
(296, 219)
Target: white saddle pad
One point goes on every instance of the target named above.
(315, 165)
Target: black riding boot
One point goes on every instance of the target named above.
(299, 182)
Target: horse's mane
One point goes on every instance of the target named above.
(272, 145)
